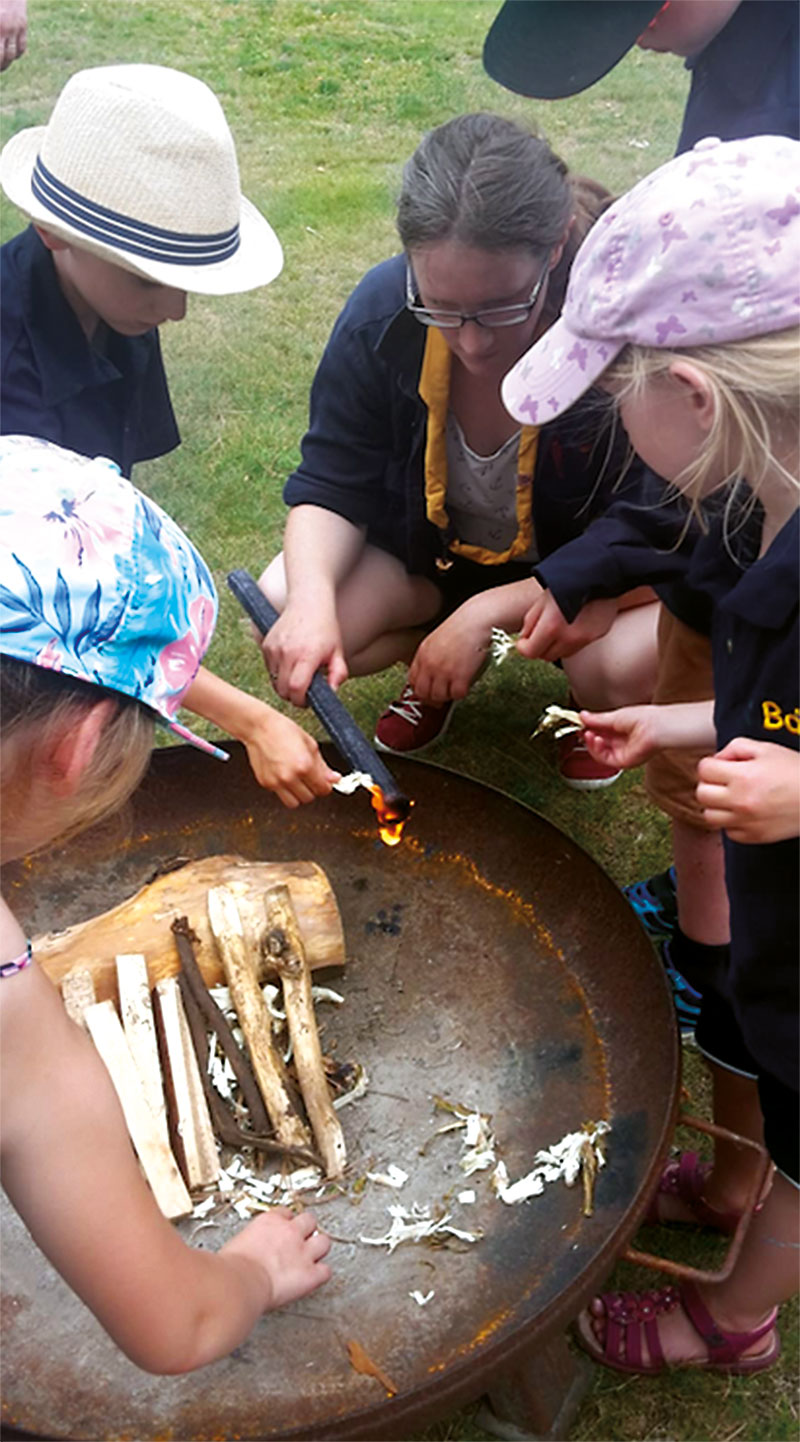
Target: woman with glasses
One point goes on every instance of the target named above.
(421, 510)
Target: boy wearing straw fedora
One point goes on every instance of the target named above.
(133, 192)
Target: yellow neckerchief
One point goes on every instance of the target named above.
(434, 390)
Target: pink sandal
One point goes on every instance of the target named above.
(685, 1178)
(632, 1319)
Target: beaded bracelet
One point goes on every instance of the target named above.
(19, 963)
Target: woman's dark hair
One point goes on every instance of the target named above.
(488, 183)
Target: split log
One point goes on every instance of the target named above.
(192, 1131)
(241, 973)
(77, 990)
(141, 924)
(138, 1024)
(285, 946)
(157, 1161)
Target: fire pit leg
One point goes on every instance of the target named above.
(538, 1397)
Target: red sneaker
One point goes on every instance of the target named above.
(409, 724)
(578, 768)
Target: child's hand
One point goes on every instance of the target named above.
(622, 738)
(302, 640)
(288, 1250)
(546, 634)
(751, 790)
(284, 758)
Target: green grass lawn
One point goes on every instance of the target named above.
(326, 99)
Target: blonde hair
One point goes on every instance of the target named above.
(37, 706)
(755, 386)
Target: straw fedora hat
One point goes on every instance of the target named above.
(137, 165)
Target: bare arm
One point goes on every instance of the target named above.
(284, 758)
(69, 1170)
(320, 549)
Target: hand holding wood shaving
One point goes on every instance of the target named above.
(557, 721)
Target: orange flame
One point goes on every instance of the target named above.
(392, 816)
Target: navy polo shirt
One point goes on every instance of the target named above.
(755, 641)
(112, 402)
(747, 79)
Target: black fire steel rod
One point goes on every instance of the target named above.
(342, 729)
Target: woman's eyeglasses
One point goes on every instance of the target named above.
(492, 319)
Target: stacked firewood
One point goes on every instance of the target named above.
(156, 1042)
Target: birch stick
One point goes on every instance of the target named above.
(157, 1161)
(138, 1023)
(240, 968)
(286, 950)
(194, 1132)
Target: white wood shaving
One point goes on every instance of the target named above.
(326, 993)
(422, 1298)
(394, 1176)
(415, 1225)
(480, 1144)
(561, 1161)
(355, 1093)
(557, 721)
(350, 783)
(467, 1198)
(500, 644)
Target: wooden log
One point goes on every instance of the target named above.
(157, 1161)
(193, 1134)
(141, 924)
(240, 969)
(285, 946)
(138, 1024)
(77, 990)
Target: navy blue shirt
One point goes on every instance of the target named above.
(755, 641)
(747, 79)
(363, 453)
(112, 402)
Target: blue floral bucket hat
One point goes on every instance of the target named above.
(96, 581)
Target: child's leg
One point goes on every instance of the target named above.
(765, 1275)
(380, 606)
(766, 1271)
(700, 882)
(620, 668)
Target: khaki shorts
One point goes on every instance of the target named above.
(684, 674)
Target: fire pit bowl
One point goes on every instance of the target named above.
(490, 962)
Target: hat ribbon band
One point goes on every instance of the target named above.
(123, 232)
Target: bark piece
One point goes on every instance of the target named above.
(225, 1125)
(138, 1023)
(193, 1134)
(77, 989)
(141, 923)
(286, 949)
(191, 979)
(157, 1161)
(241, 972)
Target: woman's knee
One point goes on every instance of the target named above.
(272, 582)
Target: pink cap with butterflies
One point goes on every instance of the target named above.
(702, 251)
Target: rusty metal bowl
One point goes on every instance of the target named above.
(490, 961)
